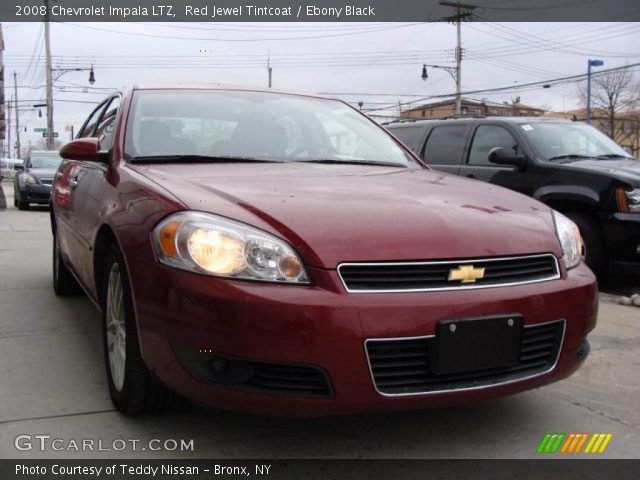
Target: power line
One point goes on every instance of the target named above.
(272, 39)
(517, 87)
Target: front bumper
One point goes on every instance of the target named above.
(35, 193)
(324, 327)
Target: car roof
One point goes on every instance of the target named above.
(44, 151)
(410, 122)
(220, 86)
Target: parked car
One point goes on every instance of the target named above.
(570, 166)
(8, 167)
(32, 183)
(283, 254)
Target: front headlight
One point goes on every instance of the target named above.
(628, 200)
(213, 245)
(570, 239)
(28, 178)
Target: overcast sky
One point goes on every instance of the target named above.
(379, 64)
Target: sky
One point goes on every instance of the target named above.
(379, 64)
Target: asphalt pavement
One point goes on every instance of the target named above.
(52, 383)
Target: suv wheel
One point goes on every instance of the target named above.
(132, 387)
(595, 256)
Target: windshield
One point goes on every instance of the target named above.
(44, 160)
(557, 141)
(193, 125)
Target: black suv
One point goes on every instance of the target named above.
(570, 166)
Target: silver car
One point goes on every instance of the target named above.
(7, 167)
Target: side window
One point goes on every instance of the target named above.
(90, 124)
(445, 145)
(486, 138)
(410, 136)
(107, 124)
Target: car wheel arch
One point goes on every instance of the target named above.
(586, 217)
(106, 237)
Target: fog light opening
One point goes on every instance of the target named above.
(219, 365)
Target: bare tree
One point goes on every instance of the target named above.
(613, 93)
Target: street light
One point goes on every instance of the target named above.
(50, 82)
(92, 76)
(590, 63)
(453, 71)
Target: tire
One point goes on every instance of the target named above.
(23, 205)
(133, 389)
(64, 283)
(596, 256)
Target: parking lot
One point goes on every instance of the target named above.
(52, 382)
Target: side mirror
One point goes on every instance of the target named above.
(500, 156)
(84, 149)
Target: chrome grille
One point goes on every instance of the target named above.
(401, 366)
(430, 276)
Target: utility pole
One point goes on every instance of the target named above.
(458, 67)
(47, 44)
(15, 89)
(9, 148)
(463, 12)
(269, 69)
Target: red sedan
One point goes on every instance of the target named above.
(282, 254)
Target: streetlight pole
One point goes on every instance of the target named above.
(590, 63)
(49, 81)
(463, 12)
(49, 77)
(15, 87)
(458, 67)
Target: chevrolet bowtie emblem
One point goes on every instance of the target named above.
(466, 274)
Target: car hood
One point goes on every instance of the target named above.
(42, 172)
(624, 169)
(339, 213)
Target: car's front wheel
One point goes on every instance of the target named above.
(64, 283)
(132, 387)
(22, 205)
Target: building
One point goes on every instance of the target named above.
(470, 106)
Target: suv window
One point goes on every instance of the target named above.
(445, 145)
(410, 136)
(486, 138)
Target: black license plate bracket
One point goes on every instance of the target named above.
(470, 345)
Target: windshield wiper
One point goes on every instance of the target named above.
(614, 156)
(571, 156)
(198, 159)
(352, 162)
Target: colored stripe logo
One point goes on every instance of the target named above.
(573, 443)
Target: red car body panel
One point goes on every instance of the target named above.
(402, 209)
(329, 214)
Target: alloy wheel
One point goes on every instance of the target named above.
(116, 328)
